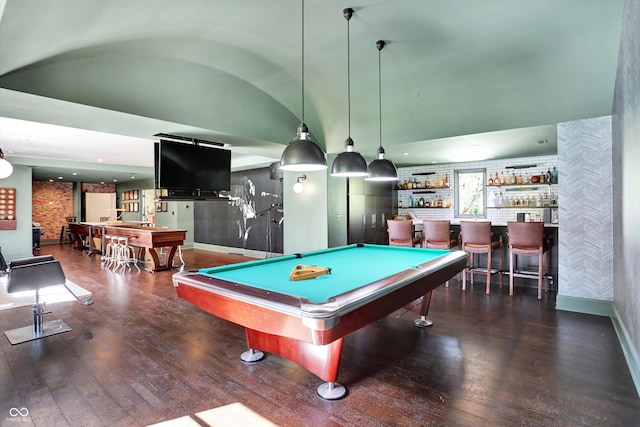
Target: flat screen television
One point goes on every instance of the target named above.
(185, 170)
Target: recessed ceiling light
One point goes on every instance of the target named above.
(100, 160)
(101, 182)
(60, 177)
(405, 154)
(51, 180)
(74, 173)
(115, 180)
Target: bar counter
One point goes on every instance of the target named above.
(140, 236)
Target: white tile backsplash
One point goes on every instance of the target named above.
(543, 163)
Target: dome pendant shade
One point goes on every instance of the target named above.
(382, 169)
(6, 168)
(303, 154)
(349, 163)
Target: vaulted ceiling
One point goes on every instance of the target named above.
(461, 79)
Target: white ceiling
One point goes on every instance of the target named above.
(461, 80)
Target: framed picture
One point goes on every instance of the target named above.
(158, 206)
(164, 206)
(135, 194)
(135, 207)
(124, 195)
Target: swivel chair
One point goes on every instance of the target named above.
(35, 273)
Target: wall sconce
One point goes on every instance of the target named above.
(6, 168)
(298, 187)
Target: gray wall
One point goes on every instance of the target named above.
(626, 175)
(585, 254)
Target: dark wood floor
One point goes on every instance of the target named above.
(139, 355)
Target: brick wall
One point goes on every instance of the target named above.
(52, 202)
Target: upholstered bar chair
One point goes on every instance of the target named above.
(401, 233)
(477, 238)
(437, 235)
(527, 239)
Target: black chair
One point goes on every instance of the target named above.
(3, 264)
(35, 273)
(65, 232)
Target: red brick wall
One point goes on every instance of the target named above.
(51, 202)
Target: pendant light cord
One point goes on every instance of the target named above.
(302, 61)
(348, 82)
(380, 94)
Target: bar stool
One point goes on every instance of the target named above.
(527, 239)
(477, 239)
(401, 233)
(437, 235)
(110, 254)
(65, 231)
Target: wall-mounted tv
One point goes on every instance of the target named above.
(191, 171)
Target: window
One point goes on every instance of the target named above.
(470, 193)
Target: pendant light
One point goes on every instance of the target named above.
(6, 168)
(381, 169)
(302, 153)
(349, 163)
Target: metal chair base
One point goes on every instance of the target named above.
(29, 333)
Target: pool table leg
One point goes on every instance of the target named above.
(251, 356)
(423, 322)
(331, 391)
(320, 360)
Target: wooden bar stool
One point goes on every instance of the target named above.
(401, 233)
(437, 235)
(477, 238)
(527, 239)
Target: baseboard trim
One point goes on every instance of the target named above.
(629, 350)
(230, 250)
(606, 308)
(585, 305)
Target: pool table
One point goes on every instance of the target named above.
(306, 320)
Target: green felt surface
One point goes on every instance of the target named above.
(351, 267)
